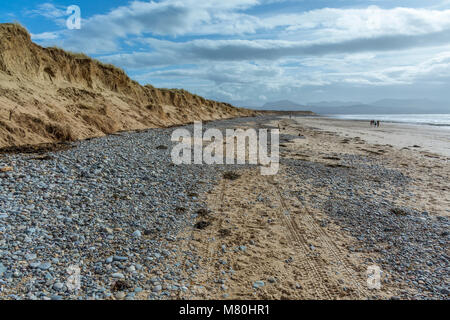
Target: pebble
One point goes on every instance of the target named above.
(137, 234)
(157, 288)
(2, 269)
(30, 256)
(45, 266)
(258, 284)
(120, 295)
(118, 258)
(58, 286)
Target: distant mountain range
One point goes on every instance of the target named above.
(385, 106)
(282, 104)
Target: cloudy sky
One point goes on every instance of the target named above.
(249, 52)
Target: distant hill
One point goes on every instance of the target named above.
(384, 106)
(285, 105)
(302, 113)
(334, 103)
(387, 106)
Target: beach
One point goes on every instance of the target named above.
(338, 206)
(434, 139)
(139, 227)
(203, 153)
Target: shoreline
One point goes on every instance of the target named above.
(391, 118)
(442, 126)
(434, 139)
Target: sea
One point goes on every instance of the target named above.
(441, 120)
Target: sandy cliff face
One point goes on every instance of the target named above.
(48, 95)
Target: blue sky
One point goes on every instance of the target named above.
(249, 52)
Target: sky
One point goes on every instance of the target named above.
(250, 52)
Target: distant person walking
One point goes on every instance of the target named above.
(378, 123)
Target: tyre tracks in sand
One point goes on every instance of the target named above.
(264, 243)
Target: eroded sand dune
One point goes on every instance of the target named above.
(48, 95)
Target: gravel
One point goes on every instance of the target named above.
(111, 207)
(108, 206)
(412, 246)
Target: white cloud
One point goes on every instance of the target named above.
(217, 48)
(47, 10)
(369, 22)
(45, 36)
(167, 52)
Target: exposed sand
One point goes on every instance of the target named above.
(277, 233)
(287, 242)
(430, 138)
(393, 147)
(49, 95)
(312, 230)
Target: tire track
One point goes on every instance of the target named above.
(336, 252)
(311, 224)
(316, 281)
(206, 248)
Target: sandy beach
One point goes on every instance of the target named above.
(339, 205)
(420, 137)
(141, 227)
(213, 155)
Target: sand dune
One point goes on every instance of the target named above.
(49, 95)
